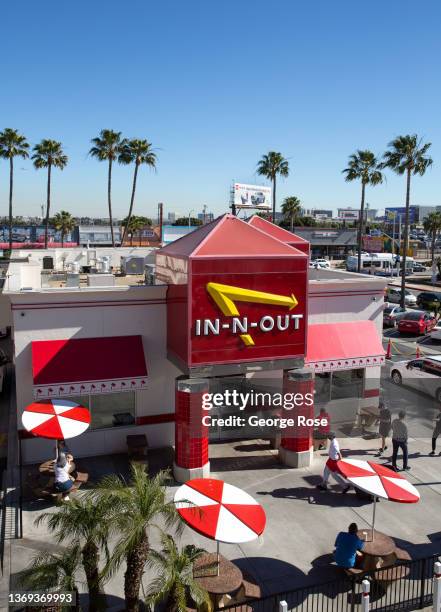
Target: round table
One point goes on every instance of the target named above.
(381, 545)
(205, 572)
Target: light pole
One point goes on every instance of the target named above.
(189, 217)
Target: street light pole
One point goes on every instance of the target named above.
(189, 217)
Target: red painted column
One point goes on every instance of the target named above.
(191, 436)
(296, 445)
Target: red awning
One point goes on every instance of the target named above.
(343, 346)
(88, 365)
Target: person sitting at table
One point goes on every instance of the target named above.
(63, 481)
(348, 547)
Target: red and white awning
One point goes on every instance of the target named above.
(378, 480)
(56, 419)
(82, 366)
(344, 346)
(220, 511)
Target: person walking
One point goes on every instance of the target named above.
(399, 440)
(385, 425)
(436, 431)
(331, 467)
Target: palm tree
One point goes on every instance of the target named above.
(107, 147)
(135, 224)
(432, 225)
(12, 144)
(137, 507)
(49, 153)
(174, 583)
(407, 155)
(138, 152)
(270, 166)
(63, 222)
(84, 521)
(291, 209)
(363, 166)
(53, 572)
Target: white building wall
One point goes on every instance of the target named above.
(131, 311)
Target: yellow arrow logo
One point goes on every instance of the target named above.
(225, 297)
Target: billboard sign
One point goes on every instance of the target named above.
(399, 214)
(348, 214)
(252, 196)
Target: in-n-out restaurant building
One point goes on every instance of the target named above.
(234, 301)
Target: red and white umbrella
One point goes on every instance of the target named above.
(56, 419)
(220, 511)
(379, 481)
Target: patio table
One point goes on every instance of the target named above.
(229, 580)
(378, 551)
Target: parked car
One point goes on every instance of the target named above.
(321, 263)
(392, 314)
(435, 334)
(393, 294)
(417, 267)
(422, 374)
(427, 299)
(416, 322)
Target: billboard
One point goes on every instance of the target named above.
(252, 196)
(348, 214)
(399, 213)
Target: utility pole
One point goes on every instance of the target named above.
(160, 213)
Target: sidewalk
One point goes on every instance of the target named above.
(302, 522)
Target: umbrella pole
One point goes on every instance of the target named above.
(373, 518)
(217, 556)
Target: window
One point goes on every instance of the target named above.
(109, 409)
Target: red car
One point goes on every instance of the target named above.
(416, 322)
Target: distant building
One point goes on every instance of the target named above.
(97, 235)
(171, 217)
(329, 242)
(206, 217)
(417, 214)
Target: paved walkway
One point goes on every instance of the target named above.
(302, 523)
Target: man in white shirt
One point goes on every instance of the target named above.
(331, 468)
(63, 482)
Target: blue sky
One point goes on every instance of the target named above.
(214, 85)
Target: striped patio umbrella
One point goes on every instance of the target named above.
(379, 481)
(56, 419)
(220, 511)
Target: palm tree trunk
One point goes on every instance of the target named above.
(109, 199)
(406, 236)
(432, 246)
(274, 199)
(11, 187)
(133, 576)
(360, 226)
(90, 556)
(48, 203)
(132, 201)
(140, 237)
(62, 239)
(292, 223)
